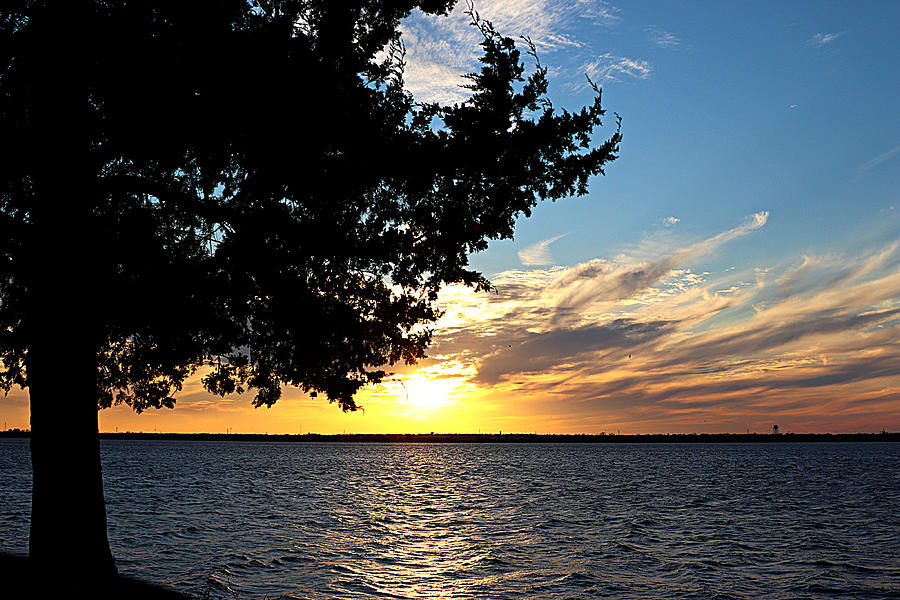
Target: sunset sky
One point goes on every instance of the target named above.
(737, 267)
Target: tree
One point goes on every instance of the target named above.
(245, 188)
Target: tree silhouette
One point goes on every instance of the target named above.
(243, 188)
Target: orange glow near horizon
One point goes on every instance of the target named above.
(593, 348)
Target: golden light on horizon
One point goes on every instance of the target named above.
(426, 391)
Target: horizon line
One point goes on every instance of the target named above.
(883, 434)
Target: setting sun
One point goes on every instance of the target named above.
(428, 389)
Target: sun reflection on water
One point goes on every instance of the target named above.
(431, 536)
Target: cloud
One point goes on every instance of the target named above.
(609, 67)
(669, 221)
(653, 345)
(538, 352)
(441, 49)
(601, 14)
(821, 39)
(662, 38)
(879, 159)
(599, 281)
(539, 253)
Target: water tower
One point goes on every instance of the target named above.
(774, 429)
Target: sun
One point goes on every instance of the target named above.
(428, 389)
(424, 392)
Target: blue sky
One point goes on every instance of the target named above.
(728, 109)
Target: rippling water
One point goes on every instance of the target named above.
(495, 521)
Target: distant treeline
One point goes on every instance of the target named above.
(506, 438)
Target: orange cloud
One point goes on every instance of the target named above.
(644, 345)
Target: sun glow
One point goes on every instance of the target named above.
(427, 390)
(428, 394)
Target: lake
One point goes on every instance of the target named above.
(356, 520)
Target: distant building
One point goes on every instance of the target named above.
(774, 429)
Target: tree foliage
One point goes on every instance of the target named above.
(261, 196)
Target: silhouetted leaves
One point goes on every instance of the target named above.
(262, 195)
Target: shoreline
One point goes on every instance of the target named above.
(19, 581)
(506, 438)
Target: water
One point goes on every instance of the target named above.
(495, 521)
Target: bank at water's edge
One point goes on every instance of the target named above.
(18, 581)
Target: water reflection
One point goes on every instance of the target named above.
(422, 514)
(492, 521)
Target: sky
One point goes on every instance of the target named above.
(737, 267)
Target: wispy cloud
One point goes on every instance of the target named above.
(662, 38)
(442, 49)
(822, 39)
(538, 254)
(598, 282)
(600, 13)
(879, 159)
(655, 344)
(609, 67)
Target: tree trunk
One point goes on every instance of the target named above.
(68, 536)
(68, 542)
